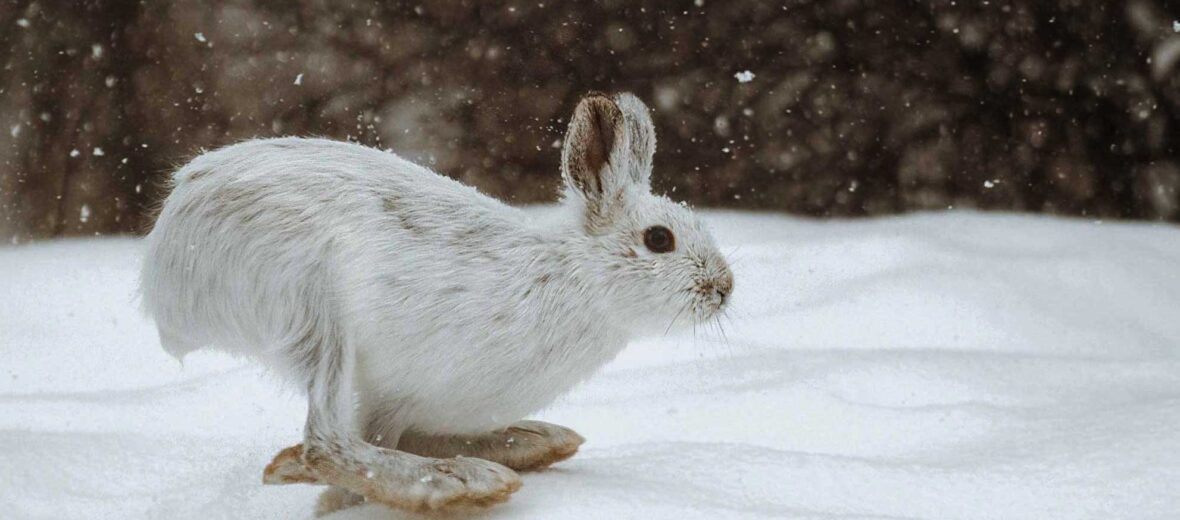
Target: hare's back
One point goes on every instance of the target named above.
(294, 163)
(253, 234)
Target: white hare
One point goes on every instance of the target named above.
(423, 318)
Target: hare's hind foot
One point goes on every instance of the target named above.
(401, 480)
(524, 446)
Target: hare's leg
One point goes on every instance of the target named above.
(526, 445)
(334, 452)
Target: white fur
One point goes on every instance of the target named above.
(440, 309)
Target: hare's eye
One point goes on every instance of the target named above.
(659, 239)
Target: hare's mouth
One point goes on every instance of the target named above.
(712, 294)
(709, 305)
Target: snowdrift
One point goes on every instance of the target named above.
(949, 366)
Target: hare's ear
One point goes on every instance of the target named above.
(589, 157)
(641, 137)
(608, 147)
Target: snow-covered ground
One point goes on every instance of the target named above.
(937, 366)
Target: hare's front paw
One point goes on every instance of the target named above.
(457, 483)
(524, 446)
(287, 468)
(540, 444)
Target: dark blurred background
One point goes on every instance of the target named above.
(853, 108)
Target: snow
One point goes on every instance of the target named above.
(952, 366)
(1164, 56)
(744, 76)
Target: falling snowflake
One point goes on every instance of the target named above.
(75, 153)
(23, 23)
(98, 152)
(744, 76)
(1175, 26)
(200, 37)
(84, 213)
(299, 79)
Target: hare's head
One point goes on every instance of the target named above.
(655, 260)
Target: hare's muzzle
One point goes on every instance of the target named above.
(723, 287)
(715, 291)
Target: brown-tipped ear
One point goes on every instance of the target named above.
(641, 137)
(596, 131)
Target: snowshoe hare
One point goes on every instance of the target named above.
(423, 318)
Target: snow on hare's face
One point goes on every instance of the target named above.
(660, 262)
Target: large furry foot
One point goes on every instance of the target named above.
(401, 480)
(524, 446)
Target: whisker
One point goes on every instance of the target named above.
(732, 256)
(677, 316)
(694, 333)
(729, 317)
(725, 339)
(721, 329)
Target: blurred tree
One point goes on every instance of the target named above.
(849, 108)
(65, 169)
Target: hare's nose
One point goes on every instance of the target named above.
(723, 286)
